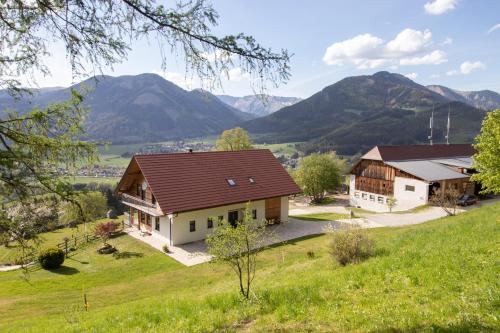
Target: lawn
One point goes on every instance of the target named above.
(321, 217)
(441, 276)
(50, 239)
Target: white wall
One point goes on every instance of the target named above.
(180, 223)
(408, 199)
(378, 203)
(164, 232)
(284, 209)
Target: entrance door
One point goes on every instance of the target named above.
(273, 210)
(232, 217)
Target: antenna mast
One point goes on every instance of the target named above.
(448, 127)
(431, 121)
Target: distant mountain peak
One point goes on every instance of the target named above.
(260, 104)
(482, 99)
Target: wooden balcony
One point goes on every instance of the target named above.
(130, 199)
(141, 205)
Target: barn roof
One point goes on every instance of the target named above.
(419, 152)
(190, 181)
(428, 170)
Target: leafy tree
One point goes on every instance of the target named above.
(238, 247)
(105, 230)
(487, 159)
(99, 33)
(233, 139)
(92, 205)
(391, 203)
(318, 173)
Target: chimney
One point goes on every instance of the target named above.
(190, 150)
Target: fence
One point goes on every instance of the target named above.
(69, 245)
(75, 242)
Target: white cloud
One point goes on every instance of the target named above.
(357, 48)
(434, 58)
(237, 74)
(409, 47)
(409, 41)
(467, 67)
(182, 80)
(412, 76)
(438, 7)
(218, 55)
(493, 28)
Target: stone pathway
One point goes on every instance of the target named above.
(7, 268)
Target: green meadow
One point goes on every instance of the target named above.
(441, 276)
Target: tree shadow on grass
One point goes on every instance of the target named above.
(65, 270)
(127, 255)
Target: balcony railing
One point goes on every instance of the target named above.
(127, 198)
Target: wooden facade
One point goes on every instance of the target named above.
(273, 209)
(377, 177)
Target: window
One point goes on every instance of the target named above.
(372, 197)
(364, 196)
(251, 180)
(210, 223)
(380, 200)
(254, 213)
(231, 182)
(192, 226)
(138, 190)
(148, 220)
(356, 194)
(410, 188)
(157, 223)
(153, 199)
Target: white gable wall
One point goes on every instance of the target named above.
(408, 199)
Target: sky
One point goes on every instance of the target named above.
(455, 43)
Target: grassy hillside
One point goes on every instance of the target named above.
(441, 276)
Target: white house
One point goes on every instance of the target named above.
(179, 197)
(410, 174)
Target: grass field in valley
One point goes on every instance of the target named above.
(441, 276)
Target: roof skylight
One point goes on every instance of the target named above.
(251, 180)
(231, 182)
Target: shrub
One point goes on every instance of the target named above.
(310, 254)
(351, 245)
(166, 249)
(51, 258)
(105, 230)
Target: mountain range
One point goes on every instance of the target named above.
(259, 105)
(141, 108)
(359, 112)
(483, 99)
(349, 116)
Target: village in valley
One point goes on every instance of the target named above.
(162, 171)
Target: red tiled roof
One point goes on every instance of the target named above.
(189, 181)
(419, 152)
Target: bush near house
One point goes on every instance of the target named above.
(51, 258)
(350, 245)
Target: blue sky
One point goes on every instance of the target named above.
(455, 43)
